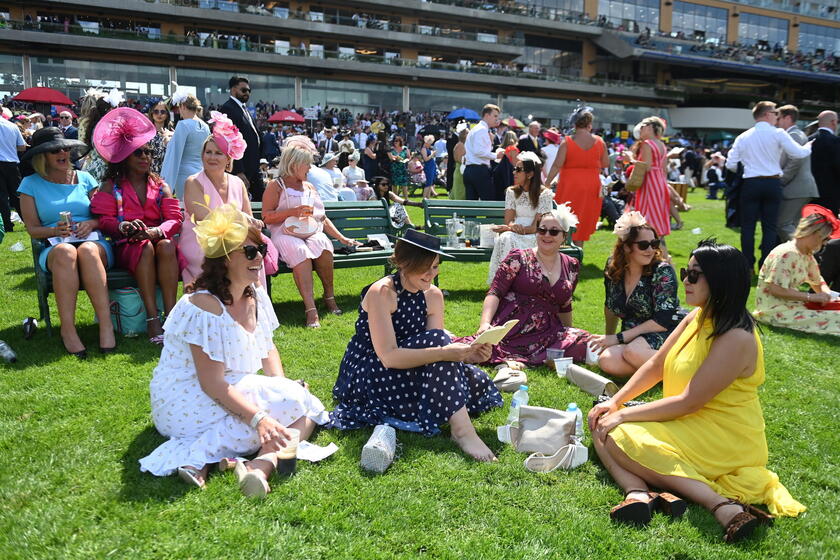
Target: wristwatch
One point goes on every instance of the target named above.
(620, 338)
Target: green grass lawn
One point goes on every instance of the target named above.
(72, 433)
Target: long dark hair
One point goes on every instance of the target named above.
(214, 275)
(378, 180)
(728, 274)
(535, 188)
(618, 265)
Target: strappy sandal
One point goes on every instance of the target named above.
(190, 475)
(667, 503)
(316, 324)
(253, 483)
(632, 510)
(158, 338)
(741, 525)
(337, 310)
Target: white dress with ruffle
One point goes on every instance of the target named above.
(525, 213)
(200, 431)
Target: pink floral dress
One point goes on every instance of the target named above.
(788, 268)
(525, 294)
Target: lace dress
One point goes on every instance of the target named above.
(200, 431)
(508, 241)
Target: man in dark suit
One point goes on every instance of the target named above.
(65, 123)
(270, 144)
(825, 161)
(531, 142)
(329, 143)
(247, 168)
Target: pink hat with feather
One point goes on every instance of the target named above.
(227, 136)
(120, 132)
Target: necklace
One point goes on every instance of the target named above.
(547, 270)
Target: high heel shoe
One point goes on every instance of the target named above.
(81, 354)
(667, 503)
(741, 525)
(337, 310)
(316, 324)
(632, 510)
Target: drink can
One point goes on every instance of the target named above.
(66, 217)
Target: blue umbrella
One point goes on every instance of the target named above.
(463, 113)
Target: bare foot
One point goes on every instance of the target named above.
(472, 445)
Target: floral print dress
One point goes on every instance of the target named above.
(654, 297)
(525, 294)
(785, 266)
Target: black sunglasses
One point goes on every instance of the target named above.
(67, 117)
(140, 152)
(245, 90)
(519, 169)
(692, 274)
(643, 245)
(59, 150)
(252, 250)
(553, 232)
(160, 111)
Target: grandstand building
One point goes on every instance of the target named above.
(627, 58)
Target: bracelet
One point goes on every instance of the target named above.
(620, 338)
(807, 297)
(258, 416)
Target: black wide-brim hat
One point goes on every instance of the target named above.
(51, 138)
(423, 240)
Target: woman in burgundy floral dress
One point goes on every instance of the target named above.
(535, 286)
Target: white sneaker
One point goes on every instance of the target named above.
(378, 453)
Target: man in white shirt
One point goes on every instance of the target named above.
(760, 151)
(360, 138)
(11, 144)
(478, 180)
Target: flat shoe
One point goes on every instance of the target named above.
(188, 475)
(253, 485)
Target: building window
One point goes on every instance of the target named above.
(630, 15)
(211, 86)
(356, 96)
(11, 74)
(763, 30)
(704, 23)
(819, 39)
(74, 77)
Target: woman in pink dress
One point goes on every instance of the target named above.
(209, 189)
(295, 215)
(137, 209)
(653, 199)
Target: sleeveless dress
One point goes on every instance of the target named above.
(525, 213)
(419, 399)
(722, 444)
(430, 167)
(580, 185)
(294, 250)
(190, 255)
(652, 199)
(199, 429)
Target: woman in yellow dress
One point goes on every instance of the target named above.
(778, 299)
(704, 439)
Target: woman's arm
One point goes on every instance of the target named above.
(211, 377)
(795, 295)
(272, 366)
(488, 311)
(332, 231)
(34, 228)
(645, 153)
(605, 157)
(559, 160)
(405, 202)
(566, 318)
(194, 205)
(610, 321)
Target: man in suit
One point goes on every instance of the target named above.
(236, 108)
(825, 161)
(328, 144)
(798, 185)
(65, 123)
(531, 142)
(270, 144)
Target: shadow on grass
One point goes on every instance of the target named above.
(800, 335)
(591, 271)
(138, 486)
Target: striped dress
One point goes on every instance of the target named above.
(652, 199)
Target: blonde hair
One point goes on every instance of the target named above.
(229, 166)
(291, 157)
(510, 138)
(39, 164)
(813, 223)
(192, 103)
(429, 138)
(656, 124)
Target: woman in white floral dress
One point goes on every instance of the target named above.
(205, 393)
(524, 201)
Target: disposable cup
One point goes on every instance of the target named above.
(561, 365)
(554, 353)
(287, 456)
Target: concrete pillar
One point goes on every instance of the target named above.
(27, 71)
(590, 8)
(588, 54)
(298, 92)
(408, 54)
(173, 77)
(666, 15)
(732, 27)
(176, 29)
(406, 99)
(793, 34)
(499, 99)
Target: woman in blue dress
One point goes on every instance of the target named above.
(401, 368)
(183, 153)
(427, 156)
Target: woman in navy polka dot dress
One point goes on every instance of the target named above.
(401, 368)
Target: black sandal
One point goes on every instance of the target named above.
(741, 525)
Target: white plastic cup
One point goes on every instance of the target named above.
(554, 353)
(561, 365)
(287, 456)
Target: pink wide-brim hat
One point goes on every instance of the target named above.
(120, 132)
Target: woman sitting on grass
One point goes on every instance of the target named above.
(704, 439)
(778, 300)
(641, 290)
(206, 395)
(401, 368)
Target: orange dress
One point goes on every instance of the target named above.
(580, 185)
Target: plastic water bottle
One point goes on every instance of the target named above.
(520, 398)
(573, 408)
(7, 353)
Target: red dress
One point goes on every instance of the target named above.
(580, 185)
(652, 199)
(123, 205)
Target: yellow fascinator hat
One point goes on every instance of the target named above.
(223, 231)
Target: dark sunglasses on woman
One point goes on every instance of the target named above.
(252, 250)
(644, 245)
(140, 152)
(59, 150)
(519, 169)
(553, 232)
(160, 112)
(692, 274)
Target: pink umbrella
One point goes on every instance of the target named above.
(286, 117)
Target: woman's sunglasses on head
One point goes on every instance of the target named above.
(692, 274)
(645, 245)
(553, 232)
(252, 250)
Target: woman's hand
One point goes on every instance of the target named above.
(600, 342)
(272, 433)
(517, 228)
(605, 424)
(482, 327)
(256, 223)
(300, 211)
(470, 353)
(599, 410)
(83, 229)
(347, 241)
(820, 298)
(500, 229)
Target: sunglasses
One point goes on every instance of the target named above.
(519, 169)
(245, 90)
(59, 150)
(252, 250)
(644, 245)
(160, 111)
(692, 274)
(140, 152)
(63, 117)
(553, 232)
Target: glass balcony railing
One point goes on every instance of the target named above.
(282, 48)
(822, 10)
